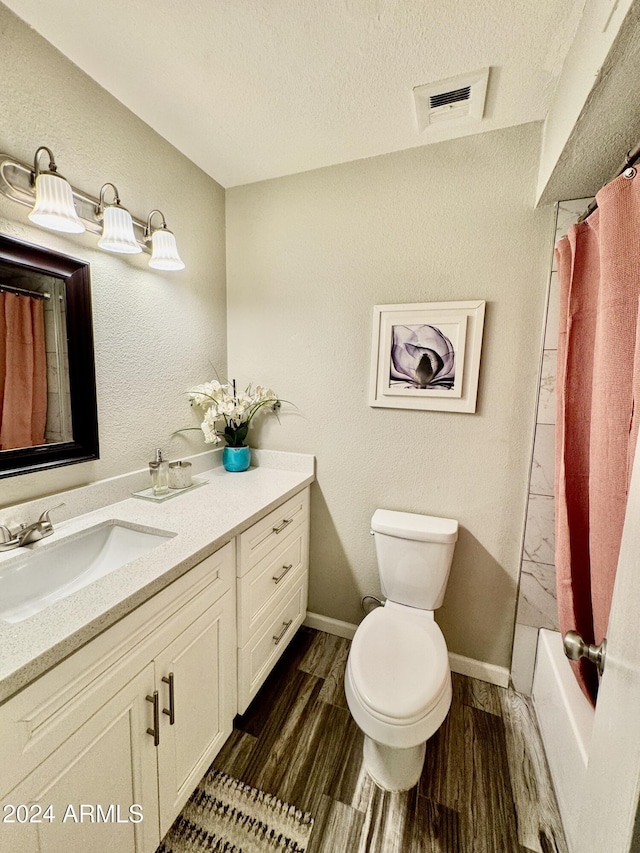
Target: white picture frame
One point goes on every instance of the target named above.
(426, 355)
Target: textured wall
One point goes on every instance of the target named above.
(307, 258)
(156, 334)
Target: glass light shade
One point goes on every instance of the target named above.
(54, 207)
(117, 232)
(165, 251)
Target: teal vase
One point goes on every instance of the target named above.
(236, 458)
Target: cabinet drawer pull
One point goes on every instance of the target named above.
(285, 569)
(155, 731)
(285, 628)
(171, 713)
(281, 527)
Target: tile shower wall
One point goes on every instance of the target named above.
(537, 595)
(58, 389)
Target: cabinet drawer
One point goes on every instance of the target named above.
(256, 542)
(259, 591)
(258, 656)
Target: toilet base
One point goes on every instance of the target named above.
(393, 768)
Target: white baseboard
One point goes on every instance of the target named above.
(479, 669)
(464, 666)
(330, 626)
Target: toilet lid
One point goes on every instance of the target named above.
(399, 663)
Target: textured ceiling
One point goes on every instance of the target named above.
(255, 89)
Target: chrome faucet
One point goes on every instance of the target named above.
(27, 533)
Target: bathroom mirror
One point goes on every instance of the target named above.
(48, 412)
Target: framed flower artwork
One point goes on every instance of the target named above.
(426, 355)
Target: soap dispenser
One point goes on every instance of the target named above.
(159, 469)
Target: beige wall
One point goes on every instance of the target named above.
(307, 258)
(156, 334)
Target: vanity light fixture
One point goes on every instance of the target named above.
(54, 207)
(117, 230)
(165, 250)
(55, 204)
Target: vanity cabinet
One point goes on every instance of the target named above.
(134, 717)
(272, 589)
(126, 726)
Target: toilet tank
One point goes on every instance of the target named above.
(414, 556)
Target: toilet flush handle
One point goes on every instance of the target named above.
(375, 598)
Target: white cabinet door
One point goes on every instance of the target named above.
(91, 782)
(198, 669)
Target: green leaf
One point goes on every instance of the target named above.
(241, 434)
(236, 436)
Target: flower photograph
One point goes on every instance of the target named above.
(421, 357)
(426, 355)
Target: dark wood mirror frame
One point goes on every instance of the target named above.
(82, 380)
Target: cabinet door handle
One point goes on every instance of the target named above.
(281, 527)
(285, 628)
(285, 569)
(171, 713)
(155, 731)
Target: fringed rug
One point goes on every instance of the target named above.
(224, 815)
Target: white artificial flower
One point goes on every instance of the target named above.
(208, 427)
(198, 395)
(204, 395)
(225, 407)
(265, 393)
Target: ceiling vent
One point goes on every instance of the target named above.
(457, 100)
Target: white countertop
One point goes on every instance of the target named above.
(203, 520)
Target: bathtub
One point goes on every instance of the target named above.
(565, 717)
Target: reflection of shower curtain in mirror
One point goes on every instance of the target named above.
(597, 420)
(23, 372)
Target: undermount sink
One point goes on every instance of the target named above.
(33, 580)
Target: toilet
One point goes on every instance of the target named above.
(397, 679)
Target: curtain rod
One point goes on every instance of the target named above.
(22, 292)
(632, 157)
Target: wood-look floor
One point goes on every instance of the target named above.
(485, 786)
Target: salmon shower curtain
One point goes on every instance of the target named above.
(23, 372)
(598, 384)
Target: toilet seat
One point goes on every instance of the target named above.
(397, 681)
(399, 665)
